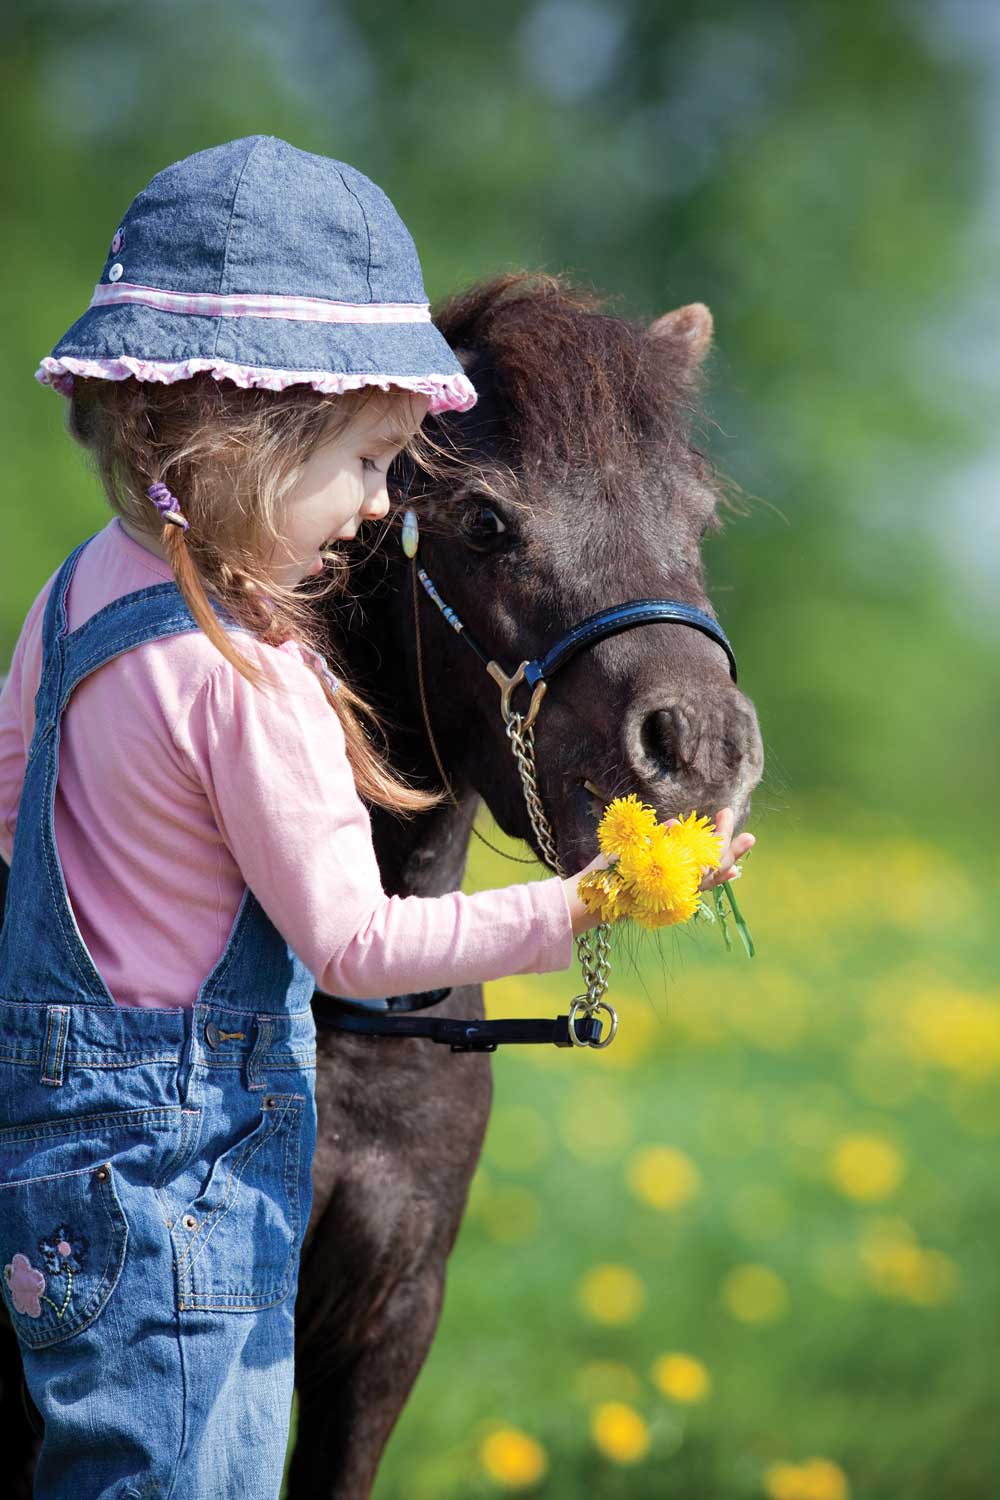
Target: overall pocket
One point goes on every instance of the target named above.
(62, 1249)
(238, 1242)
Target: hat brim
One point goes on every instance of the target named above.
(120, 341)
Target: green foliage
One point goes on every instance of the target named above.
(792, 1162)
(811, 174)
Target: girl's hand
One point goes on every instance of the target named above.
(732, 850)
(583, 920)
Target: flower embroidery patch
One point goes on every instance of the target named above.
(63, 1253)
(26, 1286)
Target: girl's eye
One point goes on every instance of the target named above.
(370, 465)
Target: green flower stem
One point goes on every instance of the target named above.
(720, 910)
(739, 919)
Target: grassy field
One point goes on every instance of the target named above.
(749, 1250)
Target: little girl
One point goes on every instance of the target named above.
(180, 802)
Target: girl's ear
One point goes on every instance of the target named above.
(689, 328)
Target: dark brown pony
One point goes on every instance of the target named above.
(574, 484)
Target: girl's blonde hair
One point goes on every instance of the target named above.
(231, 456)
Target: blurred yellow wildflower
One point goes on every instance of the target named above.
(604, 1379)
(898, 1267)
(956, 1030)
(590, 1100)
(755, 1294)
(815, 1479)
(627, 823)
(620, 1432)
(510, 1213)
(866, 1167)
(681, 1377)
(512, 1458)
(612, 1294)
(663, 1177)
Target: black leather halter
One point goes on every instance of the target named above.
(372, 1017)
(594, 628)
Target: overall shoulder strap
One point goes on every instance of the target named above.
(131, 620)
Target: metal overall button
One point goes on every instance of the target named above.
(190, 1222)
(214, 1035)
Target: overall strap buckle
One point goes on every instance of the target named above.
(53, 1069)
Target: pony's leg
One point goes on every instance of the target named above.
(20, 1443)
(346, 1417)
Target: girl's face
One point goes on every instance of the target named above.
(342, 483)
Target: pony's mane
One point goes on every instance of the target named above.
(581, 385)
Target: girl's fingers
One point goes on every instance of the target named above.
(731, 852)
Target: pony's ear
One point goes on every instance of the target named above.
(690, 328)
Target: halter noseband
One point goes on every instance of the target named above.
(598, 627)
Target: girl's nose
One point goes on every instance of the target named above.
(377, 505)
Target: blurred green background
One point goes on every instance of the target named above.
(749, 1249)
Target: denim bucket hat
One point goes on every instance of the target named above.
(268, 266)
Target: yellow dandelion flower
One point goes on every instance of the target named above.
(620, 1432)
(681, 1377)
(626, 824)
(663, 1177)
(604, 892)
(755, 1294)
(698, 837)
(866, 1167)
(512, 1458)
(665, 880)
(816, 1479)
(612, 1294)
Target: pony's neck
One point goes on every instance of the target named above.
(424, 854)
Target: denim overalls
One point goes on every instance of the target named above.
(155, 1165)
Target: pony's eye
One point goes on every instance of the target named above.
(482, 526)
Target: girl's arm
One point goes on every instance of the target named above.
(275, 770)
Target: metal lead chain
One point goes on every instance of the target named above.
(592, 947)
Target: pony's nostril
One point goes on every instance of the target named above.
(659, 737)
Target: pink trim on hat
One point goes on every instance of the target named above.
(250, 305)
(446, 392)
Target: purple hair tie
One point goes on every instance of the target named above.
(167, 505)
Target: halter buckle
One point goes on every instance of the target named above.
(507, 686)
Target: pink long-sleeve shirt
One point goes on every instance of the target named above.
(180, 783)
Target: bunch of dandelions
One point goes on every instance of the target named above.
(657, 871)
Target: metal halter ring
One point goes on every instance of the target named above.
(589, 1007)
